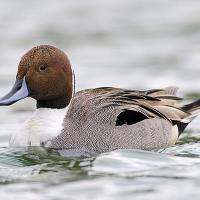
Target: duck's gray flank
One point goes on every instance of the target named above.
(93, 120)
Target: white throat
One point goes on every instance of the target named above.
(41, 127)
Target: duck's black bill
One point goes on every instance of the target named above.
(19, 91)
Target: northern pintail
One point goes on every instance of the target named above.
(94, 120)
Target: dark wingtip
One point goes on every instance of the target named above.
(192, 106)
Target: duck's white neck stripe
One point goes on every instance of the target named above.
(73, 82)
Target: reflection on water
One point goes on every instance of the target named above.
(136, 44)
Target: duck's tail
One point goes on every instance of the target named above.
(194, 110)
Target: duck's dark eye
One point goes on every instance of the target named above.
(42, 67)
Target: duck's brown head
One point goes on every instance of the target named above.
(45, 74)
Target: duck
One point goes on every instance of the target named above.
(94, 120)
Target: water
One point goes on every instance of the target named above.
(135, 44)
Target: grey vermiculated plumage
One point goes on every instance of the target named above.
(105, 119)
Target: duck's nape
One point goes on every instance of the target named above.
(19, 91)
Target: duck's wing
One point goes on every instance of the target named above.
(132, 106)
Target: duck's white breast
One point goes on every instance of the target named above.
(42, 126)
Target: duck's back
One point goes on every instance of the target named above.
(105, 119)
